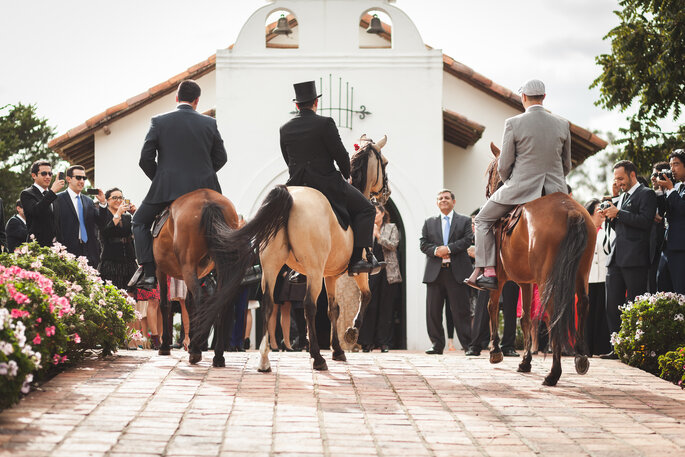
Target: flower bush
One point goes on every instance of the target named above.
(672, 365)
(651, 326)
(54, 309)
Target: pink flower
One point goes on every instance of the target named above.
(50, 331)
(119, 314)
(36, 340)
(55, 359)
(64, 358)
(39, 320)
(18, 313)
(77, 339)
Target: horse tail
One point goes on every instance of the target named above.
(233, 251)
(560, 284)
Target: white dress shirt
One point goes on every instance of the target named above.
(442, 227)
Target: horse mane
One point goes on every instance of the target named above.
(359, 165)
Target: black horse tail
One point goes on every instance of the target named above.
(560, 284)
(234, 251)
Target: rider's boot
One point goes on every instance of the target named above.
(376, 266)
(358, 265)
(144, 277)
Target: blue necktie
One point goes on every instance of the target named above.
(446, 231)
(81, 223)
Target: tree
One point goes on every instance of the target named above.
(23, 139)
(645, 71)
(593, 178)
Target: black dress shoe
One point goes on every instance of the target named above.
(360, 266)
(434, 351)
(509, 352)
(366, 348)
(385, 348)
(376, 266)
(610, 356)
(147, 283)
(486, 282)
(472, 351)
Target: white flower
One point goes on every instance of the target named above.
(26, 386)
(12, 368)
(3, 368)
(638, 334)
(679, 317)
(652, 354)
(6, 348)
(615, 339)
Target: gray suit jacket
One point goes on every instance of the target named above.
(536, 155)
(460, 238)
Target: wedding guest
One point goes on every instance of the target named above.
(117, 259)
(596, 328)
(16, 228)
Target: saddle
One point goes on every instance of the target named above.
(159, 222)
(507, 222)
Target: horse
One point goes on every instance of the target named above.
(296, 226)
(552, 245)
(183, 250)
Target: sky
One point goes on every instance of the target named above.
(75, 58)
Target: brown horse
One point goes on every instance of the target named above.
(297, 226)
(183, 250)
(552, 245)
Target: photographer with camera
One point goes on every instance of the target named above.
(628, 262)
(671, 275)
(656, 242)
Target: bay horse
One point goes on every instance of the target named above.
(183, 250)
(552, 245)
(296, 226)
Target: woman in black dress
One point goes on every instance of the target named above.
(118, 259)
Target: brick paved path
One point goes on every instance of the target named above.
(399, 403)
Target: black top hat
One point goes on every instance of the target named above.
(305, 92)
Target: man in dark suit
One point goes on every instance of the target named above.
(444, 241)
(38, 202)
(16, 229)
(672, 265)
(657, 236)
(628, 262)
(311, 145)
(182, 152)
(77, 217)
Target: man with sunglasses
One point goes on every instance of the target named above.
(37, 202)
(77, 217)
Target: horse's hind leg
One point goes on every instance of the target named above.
(496, 355)
(167, 327)
(581, 361)
(554, 375)
(193, 299)
(314, 282)
(333, 314)
(527, 327)
(352, 333)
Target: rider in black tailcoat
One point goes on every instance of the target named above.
(310, 145)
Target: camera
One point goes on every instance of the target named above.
(663, 174)
(92, 191)
(606, 204)
(61, 176)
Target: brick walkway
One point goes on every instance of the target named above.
(399, 403)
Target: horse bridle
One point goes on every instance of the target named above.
(384, 193)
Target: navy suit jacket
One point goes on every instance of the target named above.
(460, 238)
(633, 227)
(675, 214)
(68, 226)
(16, 233)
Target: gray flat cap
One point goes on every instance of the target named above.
(533, 88)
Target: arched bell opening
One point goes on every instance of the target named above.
(282, 30)
(375, 30)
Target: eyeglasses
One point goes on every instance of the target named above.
(80, 178)
(116, 198)
(45, 173)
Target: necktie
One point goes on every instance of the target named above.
(681, 190)
(81, 223)
(446, 231)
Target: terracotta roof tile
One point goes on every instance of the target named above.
(116, 108)
(95, 119)
(159, 87)
(138, 98)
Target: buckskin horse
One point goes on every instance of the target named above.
(551, 245)
(297, 226)
(183, 250)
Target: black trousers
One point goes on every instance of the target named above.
(377, 325)
(362, 214)
(142, 238)
(671, 276)
(621, 281)
(596, 331)
(480, 328)
(445, 287)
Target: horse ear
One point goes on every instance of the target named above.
(363, 138)
(382, 142)
(495, 150)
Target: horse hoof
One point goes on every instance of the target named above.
(524, 368)
(340, 357)
(193, 359)
(320, 366)
(351, 335)
(219, 363)
(549, 381)
(496, 357)
(264, 370)
(582, 364)
(164, 351)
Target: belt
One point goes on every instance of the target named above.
(445, 264)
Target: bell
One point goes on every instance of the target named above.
(375, 26)
(282, 28)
